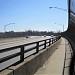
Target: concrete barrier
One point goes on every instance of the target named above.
(32, 63)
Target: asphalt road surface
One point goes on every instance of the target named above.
(11, 42)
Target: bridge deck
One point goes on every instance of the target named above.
(54, 65)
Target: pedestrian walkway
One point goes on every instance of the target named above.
(55, 64)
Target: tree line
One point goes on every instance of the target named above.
(12, 34)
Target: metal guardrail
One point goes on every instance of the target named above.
(21, 54)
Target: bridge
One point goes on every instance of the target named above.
(56, 57)
(49, 56)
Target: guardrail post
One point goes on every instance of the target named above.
(52, 40)
(45, 44)
(59, 37)
(22, 54)
(37, 47)
(56, 38)
(49, 42)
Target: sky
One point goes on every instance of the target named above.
(33, 15)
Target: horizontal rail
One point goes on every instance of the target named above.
(22, 51)
(15, 47)
(41, 45)
(30, 49)
(9, 57)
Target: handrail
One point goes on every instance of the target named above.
(23, 50)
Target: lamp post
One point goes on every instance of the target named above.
(59, 8)
(7, 25)
(60, 25)
(62, 10)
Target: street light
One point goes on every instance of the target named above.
(59, 8)
(60, 25)
(7, 25)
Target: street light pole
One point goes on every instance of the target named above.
(60, 25)
(62, 10)
(7, 25)
(59, 8)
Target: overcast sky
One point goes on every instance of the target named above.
(33, 14)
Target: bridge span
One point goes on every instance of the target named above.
(53, 59)
(59, 62)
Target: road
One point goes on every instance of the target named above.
(5, 43)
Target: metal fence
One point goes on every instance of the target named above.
(15, 55)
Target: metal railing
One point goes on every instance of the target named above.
(22, 50)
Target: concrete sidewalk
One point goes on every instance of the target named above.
(54, 65)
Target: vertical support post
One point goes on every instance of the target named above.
(22, 54)
(59, 37)
(56, 38)
(45, 44)
(37, 47)
(52, 40)
(49, 42)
